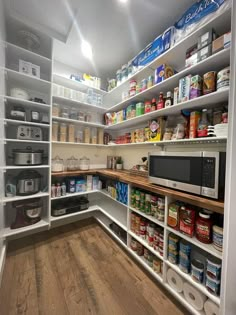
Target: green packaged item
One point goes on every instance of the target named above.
(139, 109)
(137, 194)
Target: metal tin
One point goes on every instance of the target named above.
(223, 78)
(209, 82)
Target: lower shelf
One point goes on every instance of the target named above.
(7, 232)
(71, 215)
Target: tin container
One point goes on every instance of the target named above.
(209, 82)
(223, 78)
(144, 83)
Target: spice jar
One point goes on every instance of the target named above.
(55, 127)
(65, 112)
(204, 228)
(148, 107)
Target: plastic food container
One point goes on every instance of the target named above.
(55, 110)
(218, 237)
(55, 127)
(57, 164)
(197, 270)
(213, 268)
(213, 286)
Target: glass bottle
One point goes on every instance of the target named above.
(154, 105)
(168, 101)
(160, 103)
(203, 125)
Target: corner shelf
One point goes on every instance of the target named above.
(77, 122)
(23, 122)
(18, 198)
(42, 224)
(70, 195)
(148, 217)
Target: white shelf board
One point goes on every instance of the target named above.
(149, 217)
(145, 244)
(75, 214)
(74, 85)
(209, 248)
(101, 221)
(181, 298)
(22, 53)
(22, 122)
(142, 261)
(204, 101)
(77, 122)
(32, 83)
(19, 101)
(74, 103)
(176, 54)
(207, 140)
(18, 198)
(217, 62)
(105, 193)
(199, 286)
(25, 141)
(7, 232)
(76, 194)
(79, 144)
(22, 167)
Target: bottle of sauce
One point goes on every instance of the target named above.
(204, 225)
(168, 101)
(160, 103)
(154, 105)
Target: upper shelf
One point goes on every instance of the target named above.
(196, 103)
(71, 102)
(26, 103)
(175, 56)
(78, 122)
(74, 85)
(215, 62)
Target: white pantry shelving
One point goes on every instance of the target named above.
(73, 215)
(19, 198)
(78, 144)
(26, 103)
(21, 122)
(149, 217)
(77, 122)
(42, 224)
(70, 195)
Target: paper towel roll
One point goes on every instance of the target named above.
(174, 280)
(194, 297)
(211, 308)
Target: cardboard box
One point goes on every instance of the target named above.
(184, 88)
(163, 72)
(24, 67)
(204, 53)
(191, 61)
(221, 42)
(206, 39)
(176, 95)
(195, 86)
(194, 120)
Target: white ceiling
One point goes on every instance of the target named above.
(116, 31)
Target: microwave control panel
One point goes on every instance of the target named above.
(208, 172)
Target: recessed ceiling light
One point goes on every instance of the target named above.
(86, 49)
(123, 1)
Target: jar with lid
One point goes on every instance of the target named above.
(65, 112)
(63, 132)
(94, 136)
(55, 110)
(204, 225)
(55, 127)
(203, 125)
(86, 135)
(84, 164)
(71, 133)
(148, 107)
(160, 103)
(79, 136)
(80, 116)
(57, 164)
(100, 135)
(150, 81)
(73, 113)
(72, 164)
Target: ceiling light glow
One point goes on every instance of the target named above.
(86, 49)
(123, 1)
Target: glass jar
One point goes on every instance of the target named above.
(88, 117)
(55, 110)
(84, 164)
(65, 112)
(204, 225)
(73, 113)
(63, 132)
(57, 164)
(180, 131)
(71, 133)
(86, 135)
(168, 134)
(100, 135)
(55, 127)
(80, 116)
(79, 136)
(94, 137)
(72, 164)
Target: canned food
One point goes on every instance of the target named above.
(134, 245)
(132, 84)
(157, 265)
(132, 92)
(209, 82)
(197, 270)
(150, 259)
(143, 226)
(144, 85)
(223, 78)
(145, 253)
(140, 249)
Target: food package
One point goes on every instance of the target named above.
(184, 88)
(195, 86)
(186, 221)
(157, 127)
(163, 72)
(206, 39)
(194, 120)
(173, 216)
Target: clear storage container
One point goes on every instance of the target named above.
(55, 128)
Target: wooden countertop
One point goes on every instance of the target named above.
(143, 183)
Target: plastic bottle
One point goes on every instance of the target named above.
(58, 190)
(203, 125)
(160, 103)
(63, 189)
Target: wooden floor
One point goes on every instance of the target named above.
(78, 269)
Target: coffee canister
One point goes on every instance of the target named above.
(209, 82)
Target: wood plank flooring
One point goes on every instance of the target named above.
(78, 269)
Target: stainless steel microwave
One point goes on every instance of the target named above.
(201, 173)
